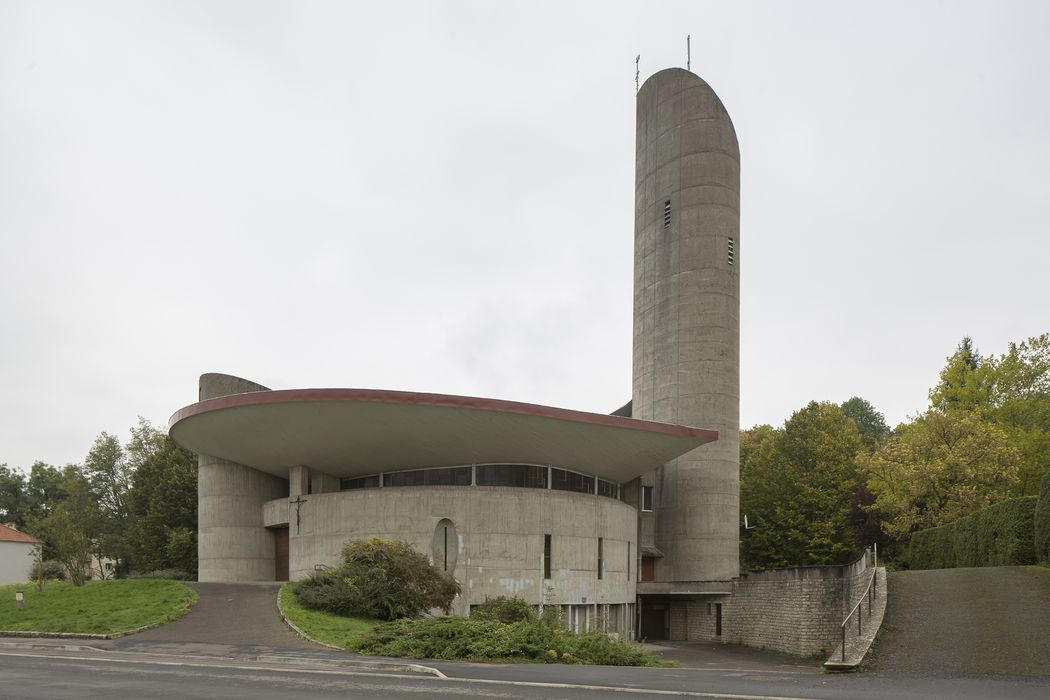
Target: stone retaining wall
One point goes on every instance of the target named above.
(796, 610)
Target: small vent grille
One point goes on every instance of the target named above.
(667, 214)
(732, 251)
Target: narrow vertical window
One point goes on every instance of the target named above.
(601, 564)
(667, 214)
(546, 556)
(732, 251)
(446, 545)
(647, 499)
(628, 561)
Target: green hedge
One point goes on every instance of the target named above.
(1042, 521)
(999, 535)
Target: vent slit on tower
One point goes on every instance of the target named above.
(732, 251)
(667, 214)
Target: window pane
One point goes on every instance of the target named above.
(361, 482)
(647, 498)
(608, 489)
(563, 480)
(439, 476)
(526, 475)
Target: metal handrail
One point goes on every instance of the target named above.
(869, 592)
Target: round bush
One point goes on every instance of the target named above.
(379, 578)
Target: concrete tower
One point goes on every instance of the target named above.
(687, 323)
(232, 544)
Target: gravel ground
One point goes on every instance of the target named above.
(992, 621)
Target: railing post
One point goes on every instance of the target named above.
(843, 642)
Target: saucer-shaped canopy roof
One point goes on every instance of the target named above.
(355, 432)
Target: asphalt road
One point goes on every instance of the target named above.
(36, 672)
(233, 645)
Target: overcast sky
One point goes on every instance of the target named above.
(439, 197)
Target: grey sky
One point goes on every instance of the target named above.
(439, 197)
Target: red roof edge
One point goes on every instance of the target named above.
(9, 534)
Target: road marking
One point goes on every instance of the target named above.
(219, 664)
(480, 681)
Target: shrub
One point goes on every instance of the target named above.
(478, 638)
(1042, 521)
(50, 569)
(379, 578)
(505, 610)
(999, 535)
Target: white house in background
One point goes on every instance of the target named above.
(16, 555)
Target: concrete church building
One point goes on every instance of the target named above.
(619, 517)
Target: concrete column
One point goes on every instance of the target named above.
(686, 316)
(232, 544)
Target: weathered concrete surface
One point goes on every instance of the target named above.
(686, 318)
(499, 535)
(966, 622)
(232, 544)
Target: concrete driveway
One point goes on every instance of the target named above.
(230, 619)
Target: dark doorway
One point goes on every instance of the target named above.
(280, 554)
(718, 619)
(654, 621)
(648, 568)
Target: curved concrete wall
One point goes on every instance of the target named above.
(214, 384)
(500, 532)
(232, 544)
(686, 317)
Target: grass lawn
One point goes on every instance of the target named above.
(98, 607)
(324, 627)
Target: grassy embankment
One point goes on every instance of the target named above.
(324, 627)
(465, 639)
(98, 607)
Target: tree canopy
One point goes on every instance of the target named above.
(984, 437)
(797, 490)
(135, 504)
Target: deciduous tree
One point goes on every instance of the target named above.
(797, 490)
(163, 503)
(870, 423)
(68, 527)
(940, 467)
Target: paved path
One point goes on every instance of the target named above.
(230, 619)
(991, 621)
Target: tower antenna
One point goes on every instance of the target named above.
(636, 71)
(688, 53)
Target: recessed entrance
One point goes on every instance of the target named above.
(656, 621)
(280, 554)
